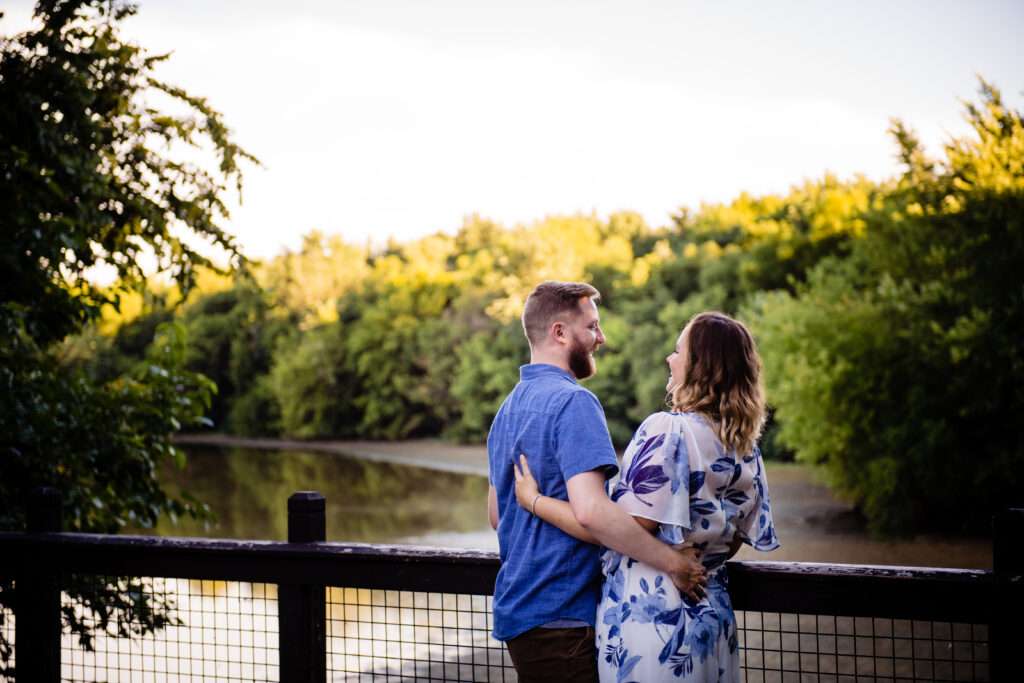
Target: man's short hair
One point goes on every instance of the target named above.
(548, 301)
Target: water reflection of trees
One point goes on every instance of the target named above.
(367, 501)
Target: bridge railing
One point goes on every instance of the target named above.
(309, 610)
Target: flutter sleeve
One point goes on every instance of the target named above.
(655, 478)
(756, 527)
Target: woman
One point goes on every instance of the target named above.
(693, 477)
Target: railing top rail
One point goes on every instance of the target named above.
(230, 546)
(141, 546)
(319, 563)
(802, 587)
(820, 569)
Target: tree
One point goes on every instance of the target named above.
(231, 337)
(91, 178)
(487, 367)
(316, 386)
(901, 368)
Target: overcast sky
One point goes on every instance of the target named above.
(398, 118)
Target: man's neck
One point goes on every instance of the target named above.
(551, 359)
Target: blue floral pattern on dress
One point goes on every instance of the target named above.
(676, 472)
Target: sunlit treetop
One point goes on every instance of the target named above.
(95, 175)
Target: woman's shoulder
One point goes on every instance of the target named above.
(666, 417)
(697, 428)
(659, 421)
(666, 421)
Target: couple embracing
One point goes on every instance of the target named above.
(631, 586)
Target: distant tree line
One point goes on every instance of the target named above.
(889, 316)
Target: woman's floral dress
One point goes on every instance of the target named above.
(676, 472)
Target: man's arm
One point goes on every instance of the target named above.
(492, 507)
(616, 529)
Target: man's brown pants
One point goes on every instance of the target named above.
(554, 654)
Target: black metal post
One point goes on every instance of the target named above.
(302, 609)
(1006, 631)
(37, 598)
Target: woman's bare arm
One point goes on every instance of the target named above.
(683, 567)
(554, 511)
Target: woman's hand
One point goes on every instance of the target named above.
(554, 511)
(692, 577)
(527, 489)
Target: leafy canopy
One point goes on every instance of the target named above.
(94, 176)
(901, 368)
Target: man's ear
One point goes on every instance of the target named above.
(559, 333)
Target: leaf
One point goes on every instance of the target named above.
(722, 465)
(767, 537)
(737, 471)
(627, 667)
(669, 616)
(648, 480)
(645, 452)
(703, 507)
(641, 478)
(736, 497)
(674, 641)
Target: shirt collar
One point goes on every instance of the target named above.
(536, 370)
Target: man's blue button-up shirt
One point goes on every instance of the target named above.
(545, 574)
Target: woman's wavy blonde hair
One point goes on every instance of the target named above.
(722, 380)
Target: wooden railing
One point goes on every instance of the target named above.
(35, 566)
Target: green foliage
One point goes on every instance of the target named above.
(401, 344)
(313, 383)
(87, 178)
(102, 358)
(487, 365)
(232, 335)
(93, 176)
(898, 368)
(84, 186)
(102, 445)
(424, 337)
(309, 283)
(612, 381)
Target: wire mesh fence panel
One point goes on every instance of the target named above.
(778, 647)
(383, 635)
(157, 629)
(7, 645)
(118, 628)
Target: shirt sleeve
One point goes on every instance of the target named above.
(756, 528)
(655, 480)
(582, 440)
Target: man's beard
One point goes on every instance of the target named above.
(581, 364)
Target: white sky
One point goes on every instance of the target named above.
(398, 118)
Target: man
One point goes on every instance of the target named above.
(546, 593)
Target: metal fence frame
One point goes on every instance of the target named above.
(305, 565)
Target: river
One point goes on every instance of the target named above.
(426, 493)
